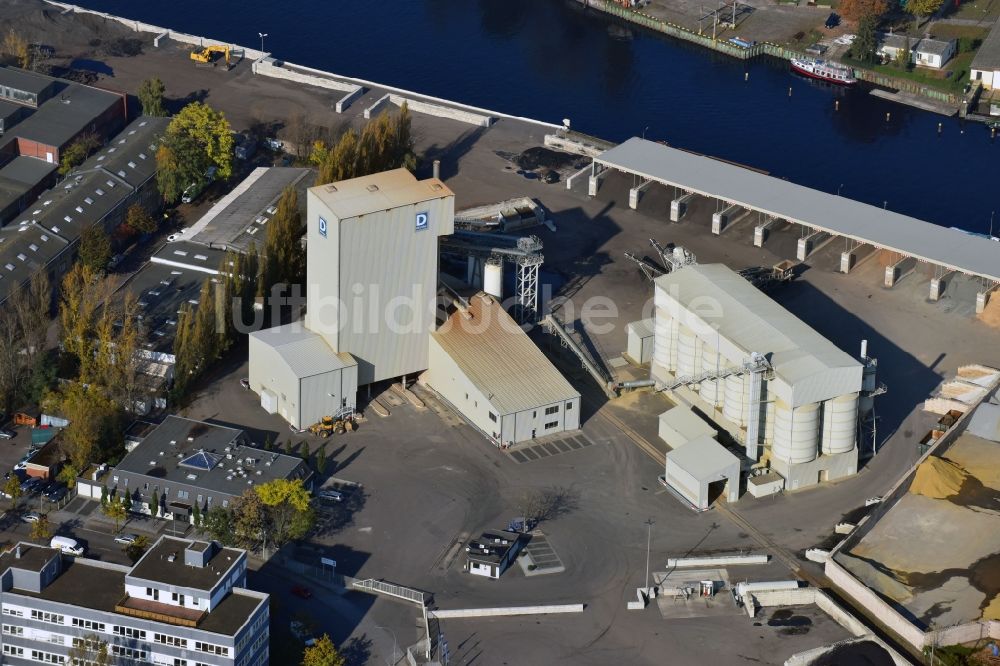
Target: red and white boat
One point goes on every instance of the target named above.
(824, 71)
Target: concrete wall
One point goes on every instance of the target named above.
(454, 113)
(508, 611)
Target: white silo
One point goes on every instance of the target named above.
(688, 353)
(662, 339)
(711, 390)
(737, 394)
(840, 422)
(493, 278)
(796, 432)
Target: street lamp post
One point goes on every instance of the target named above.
(262, 36)
(649, 536)
(839, 187)
(395, 643)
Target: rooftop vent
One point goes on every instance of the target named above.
(372, 188)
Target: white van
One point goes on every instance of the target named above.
(67, 545)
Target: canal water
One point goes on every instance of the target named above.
(551, 59)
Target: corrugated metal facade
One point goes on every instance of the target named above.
(493, 368)
(373, 277)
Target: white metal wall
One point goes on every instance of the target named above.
(268, 371)
(383, 270)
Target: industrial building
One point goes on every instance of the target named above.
(759, 372)
(308, 380)
(239, 219)
(372, 268)
(184, 602)
(485, 365)
(492, 553)
(985, 67)
(372, 281)
(54, 113)
(183, 464)
(698, 468)
(373, 288)
(100, 191)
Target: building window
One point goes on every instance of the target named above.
(493, 417)
(167, 639)
(129, 632)
(554, 409)
(17, 612)
(89, 624)
(211, 649)
(121, 651)
(46, 657)
(52, 618)
(569, 406)
(13, 650)
(551, 424)
(182, 494)
(13, 630)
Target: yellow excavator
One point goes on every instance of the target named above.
(329, 426)
(206, 54)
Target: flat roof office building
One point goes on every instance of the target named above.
(183, 603)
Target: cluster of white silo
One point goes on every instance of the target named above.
(796, 434)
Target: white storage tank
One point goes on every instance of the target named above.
(688, 356)
(796, 432)
(840, 420)
(662, 339)
(493, 278)
(737, 395)
(711, 390)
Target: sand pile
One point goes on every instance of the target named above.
(938, 478)
(991, 315)
(992, 610)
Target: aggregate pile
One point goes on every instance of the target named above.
(938, 478)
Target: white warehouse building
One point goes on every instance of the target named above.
(487, 367)
(708, 323)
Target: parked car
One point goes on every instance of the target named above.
(7, 434)
(302, 592)
(126, 539)
(67, 545)
(330, 496)
(56, 491)
(31, 517)
(31, 485)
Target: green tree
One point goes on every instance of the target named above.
(89, 650)
(126, 502)
(137, 548)
(218, 523)
(289, 446)
(322, 653)
(154, 504)
(68, 475)
(385, 142)
(15, 46)
(95, 248)
(94, 422)
(903, 56)
(321, 459)
(289, 509)
(197, 138)
(41, 529)
(115, 511)
(139, 220)
(286, 259)
(865, 43)
(78, 151)
(104, 495)
(304, 450)
(24, 322)
(196, 515)
(150, 96)
(923, 8)
(12, 489)
(250, 520)
(268, 442)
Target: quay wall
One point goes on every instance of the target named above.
(760, 48)
(346, 83)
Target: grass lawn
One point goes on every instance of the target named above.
(959, 66)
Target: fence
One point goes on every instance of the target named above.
(390, 589)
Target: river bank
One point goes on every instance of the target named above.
(747, 46)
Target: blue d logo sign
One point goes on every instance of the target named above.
(422, 220)
(322, 227)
